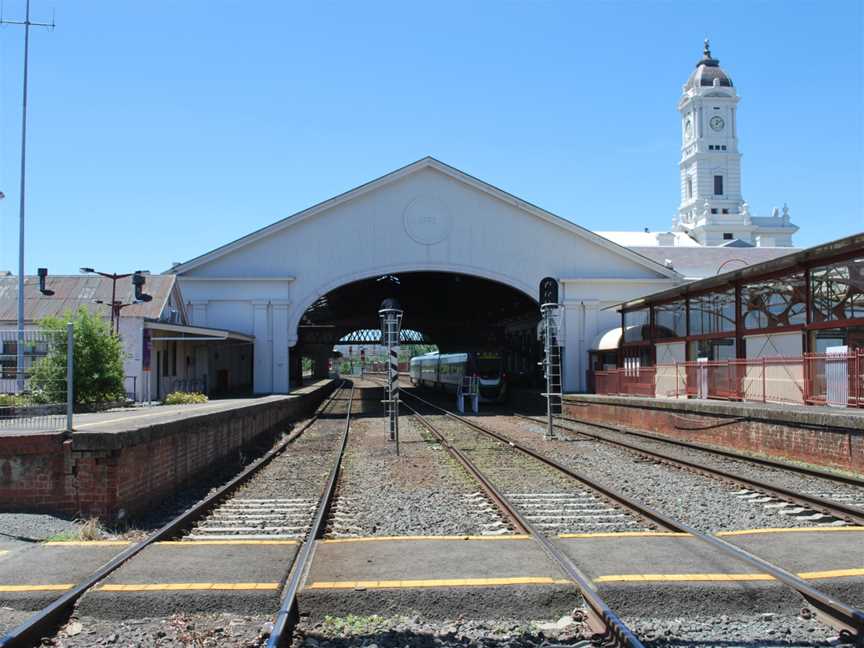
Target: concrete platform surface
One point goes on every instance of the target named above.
(128, 419)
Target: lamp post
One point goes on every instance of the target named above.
(138, 281)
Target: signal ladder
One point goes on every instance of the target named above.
(552, 365)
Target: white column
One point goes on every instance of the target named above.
(572, 350)
(281, 366)
(199, 313)
(262, 379)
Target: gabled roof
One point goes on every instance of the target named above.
(425, 163)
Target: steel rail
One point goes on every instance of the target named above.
(600, 617)
(837, 509)
(831, 610)
(773, 463)
(49, 618)
(287, 617)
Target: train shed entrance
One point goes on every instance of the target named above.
(468, 258)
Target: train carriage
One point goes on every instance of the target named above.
(445, 371)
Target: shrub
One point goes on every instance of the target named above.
(97, 356)
(185, 398)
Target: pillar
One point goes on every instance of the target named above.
(199, 313)
(262, 377)
(281, 363)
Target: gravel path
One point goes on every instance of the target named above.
(703, 503)
(421, 492)
(551, 501)
(827, 488)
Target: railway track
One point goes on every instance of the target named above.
(843, 617)
(215, 507)
(599, 616)
(821, 509)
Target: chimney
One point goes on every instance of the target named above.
(665, 239)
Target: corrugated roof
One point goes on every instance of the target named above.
(73, 291)
(786, 260)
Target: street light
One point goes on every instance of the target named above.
(138, 280)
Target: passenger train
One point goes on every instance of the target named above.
(445, 371)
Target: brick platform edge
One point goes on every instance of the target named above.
(815, 435)
(102, 474)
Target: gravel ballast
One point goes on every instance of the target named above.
(706, 504)
(551, 501)
(811, 485)
(423, 491)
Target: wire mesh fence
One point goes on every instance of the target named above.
(34, 385)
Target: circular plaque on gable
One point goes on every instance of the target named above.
(427, 220)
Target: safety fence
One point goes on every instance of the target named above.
(34, 389)
(835, 379)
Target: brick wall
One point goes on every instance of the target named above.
(823, 445)
(102, 474)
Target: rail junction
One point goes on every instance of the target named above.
(478, 517)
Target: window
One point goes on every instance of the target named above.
(723, 147)
(9, 359)
(713, 210)
(726, 211)
(716, 349)
(718, 185)
(670, 320)
(838, 291)
(712, 313)
(689, 185)
(774, 303)
(727, 236)
(636, 325)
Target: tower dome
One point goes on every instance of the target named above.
(708, 72)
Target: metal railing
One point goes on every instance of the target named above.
(812, 379)
(36, 395)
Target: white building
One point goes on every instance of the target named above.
(712, 210)
(163, 353)
(291, 282)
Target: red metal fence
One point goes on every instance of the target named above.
(815, 379)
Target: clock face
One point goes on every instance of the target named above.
(717, 123)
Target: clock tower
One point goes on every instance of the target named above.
(712, 209)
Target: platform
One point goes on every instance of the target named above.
(821, 436)
(105, 467)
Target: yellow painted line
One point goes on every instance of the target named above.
(438, 582)
(420, 537)
(198, 543)
(626, 534)
(87, 543)
(36, 588)
(675, 534)
(654, 578)
(791, 530)
(196, 587)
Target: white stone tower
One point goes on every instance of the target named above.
(712, 209)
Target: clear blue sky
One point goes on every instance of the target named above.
(160, 130)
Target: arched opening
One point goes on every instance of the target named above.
(456, 312)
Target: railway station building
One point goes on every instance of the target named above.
(465, 258)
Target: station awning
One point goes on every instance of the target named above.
(184, 332)
(607, 341)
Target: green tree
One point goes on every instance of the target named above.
(97, 356)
